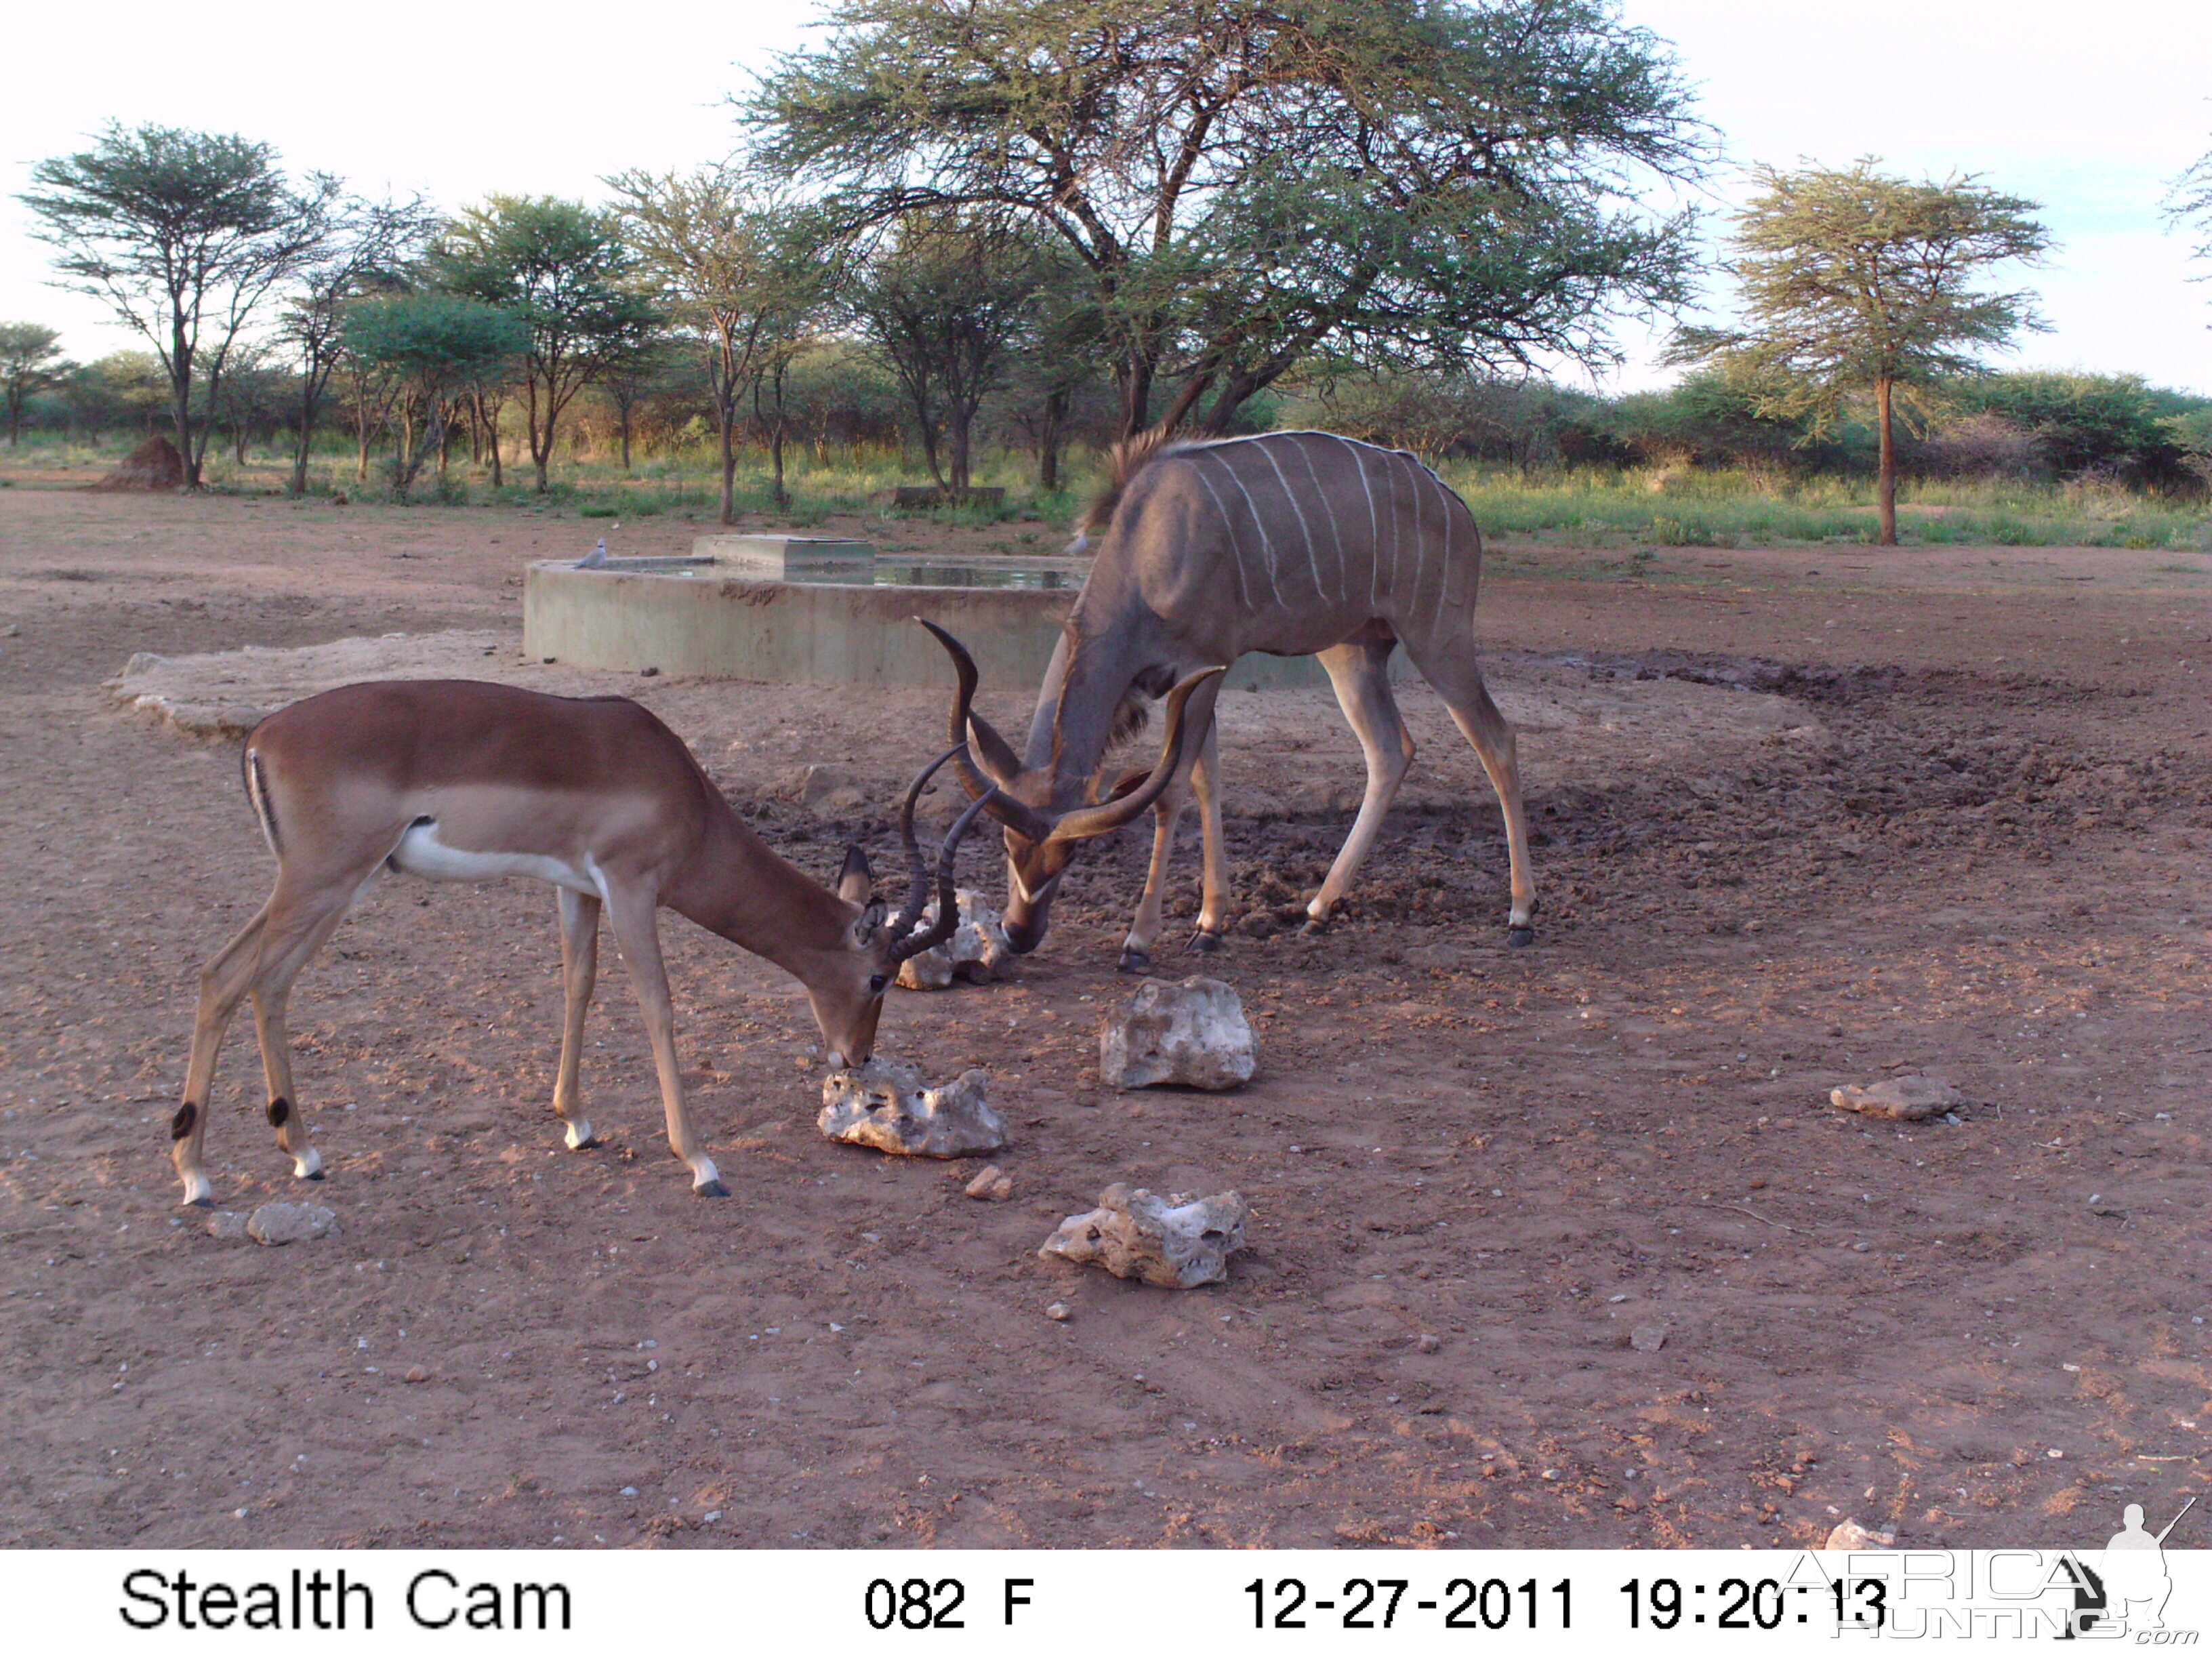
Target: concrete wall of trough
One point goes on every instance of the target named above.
(728, 628)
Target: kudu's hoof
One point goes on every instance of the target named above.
(1134, 961)
(711, 1189)
(1316, 927)
(1204, 943)
(1517, 936)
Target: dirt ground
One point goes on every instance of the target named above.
(1807, 817)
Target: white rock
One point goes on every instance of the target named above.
(1178, 1242)
(977, 952)
(289, 1223)
(1912, 1098)
(991, 1185)
(1193, 1033)
(227, 1225)
(1648, 1338)
(1849, 1536)
(882, 1104)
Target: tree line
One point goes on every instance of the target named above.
(1014, 213)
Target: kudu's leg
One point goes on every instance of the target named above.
(1206, 783)
(1144, 928)
(1458, 680)
(579, 969)
(1359, 670)
(1167, 813)
(636, 924)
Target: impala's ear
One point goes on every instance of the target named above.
(868, 923)
(855, 882)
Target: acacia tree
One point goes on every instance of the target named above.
(2189, 202)
(743, 276)
(432, 346)
(561, 269)
(371, 246)
(943, 302)
(184, 235)
(1250, 181)
(1858, 283)
(31, 361)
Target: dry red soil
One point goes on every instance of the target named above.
(1809, 817)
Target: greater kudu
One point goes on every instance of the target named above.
(1292, 544)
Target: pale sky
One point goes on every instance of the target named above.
(2089, 110)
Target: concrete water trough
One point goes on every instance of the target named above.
(798, 608)
(814, 609)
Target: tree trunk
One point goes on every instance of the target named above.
(1134, 377)
(1049, 428)
(1886, 482)
(299, 484)
(957, 437)
(727, 421)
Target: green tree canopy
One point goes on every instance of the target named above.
(941, 304)
(561, 269)
(372, 247)
(1853, 282)
(1252, 182)
(184, 235)
(434, 344)
(30, 361)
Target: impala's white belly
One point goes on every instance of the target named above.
(420, 852)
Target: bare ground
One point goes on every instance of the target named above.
(1810, 816)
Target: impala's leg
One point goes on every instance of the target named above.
(296, 929)
(580, 970)
(1137, 948)
(1459, 681)
(636, 924)
(1359, 670)
(1206, 783)
(223, 988)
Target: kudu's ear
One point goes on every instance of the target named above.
(1000, 762)
(1128, 783)
(868, 923)
(856, 881)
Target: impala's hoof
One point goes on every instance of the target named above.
(585, 1145)
(1134, 961)
(312, 1174)
(1517, 936)
(1316, 927)
(1204, 943)
(202, 1202)
(711, 1189)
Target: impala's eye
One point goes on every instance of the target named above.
(876, 983)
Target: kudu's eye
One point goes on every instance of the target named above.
(876, 983)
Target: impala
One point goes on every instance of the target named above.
(458, 779)
(1289, 543)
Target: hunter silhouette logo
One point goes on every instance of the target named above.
(2132, 1576)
